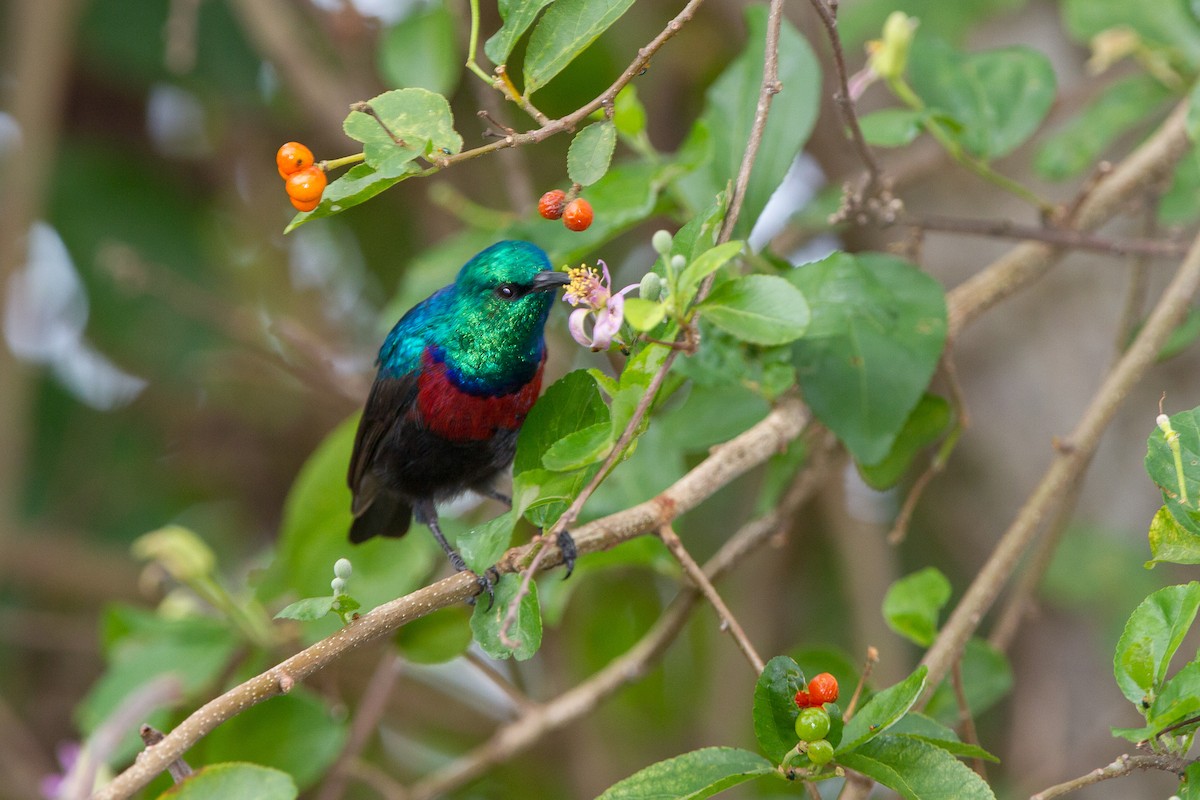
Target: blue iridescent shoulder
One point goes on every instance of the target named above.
(401, 350)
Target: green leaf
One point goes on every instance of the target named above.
(315, 735)
(1000, 97)
(1160, 465)
(1181, 203)
(877, 331)
(917, 769)
(924, 426)
(422, 51)
(1189, 787)
(691, 776)
(1152, 635)
(435, 638)
(357, 185)
(308, 609)
(644, 315)
(1167, 26)
(570, 404)
(1179, 699)
(863, 20)
(526, 630)
(316, 522)
(591, 152)
(579, 449)
(420, 118)
(233, 781)
(987, 677)
(517, 15)
(760, 309)
(919, 726)
(728, 116)
(1077, 146)
(882, 711)
(775, 706)
(912, 603)
(629, 115)
(1170, 542)
(704, 265)
(568, 28)
(892, 127)
(482, 546)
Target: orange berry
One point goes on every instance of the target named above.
(551, 204)
(823, 689)
(578, 215)
(306, 185)
(302, 205)
(292, 157)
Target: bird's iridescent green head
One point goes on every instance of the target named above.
(501, 299)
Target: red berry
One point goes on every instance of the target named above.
(302, 205)
(551, 204)
(802, 699)
(306, 185)
(292, 157)
(578, 215)
(823, 689)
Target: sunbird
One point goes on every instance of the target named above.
(456, 377)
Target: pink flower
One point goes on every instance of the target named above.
(592, 292)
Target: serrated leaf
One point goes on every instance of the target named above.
(233, 781)
(1160, 465)
(691, 776)
(567, 29)
(924, 426)
(570, 404)
(1170, 542)
(760, 309)
(912, 604)
(1151, 637)
(704, 265)
(591, 152)
(579, 449)
(526, 630)
(644, 315)
(919, 726)
(882, 711)
(917, 769)
(999, 97)
(482, 546)
(775, 706)
(1178, 700)
(357, 185)
(518, 15)
(308, 609)
(420, 118)
(877, 332)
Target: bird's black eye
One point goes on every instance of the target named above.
(507, 291)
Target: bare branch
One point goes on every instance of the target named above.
(1125, 765)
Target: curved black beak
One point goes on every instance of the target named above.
(549, 280)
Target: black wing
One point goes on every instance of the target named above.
(377, 510)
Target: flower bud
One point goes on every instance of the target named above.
(342, 568)
(650, 287)
(339, 586)
(661, 240)
(889, 57)
(678, 262)
(181, 552)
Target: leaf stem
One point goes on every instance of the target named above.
(473, 45)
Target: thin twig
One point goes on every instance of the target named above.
(1125, 765)
(519, 698)
(868, 666)
(371, 707)
(696, 573)
(178, 769)
(965, 720)
(1069, 463)
(1060, 237)
(827, 12)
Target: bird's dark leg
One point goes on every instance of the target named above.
(425, 512)
(566, 543)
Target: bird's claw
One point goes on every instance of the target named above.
(487, 581)
(566, 545)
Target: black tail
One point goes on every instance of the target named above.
(387, 515)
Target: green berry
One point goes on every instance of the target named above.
(651, 286)
(661, 241)
(820, 752)
(812, 724)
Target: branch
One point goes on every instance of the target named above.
(1059, 237)
(1125, 765)
(1073, 457)
(727, 462)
